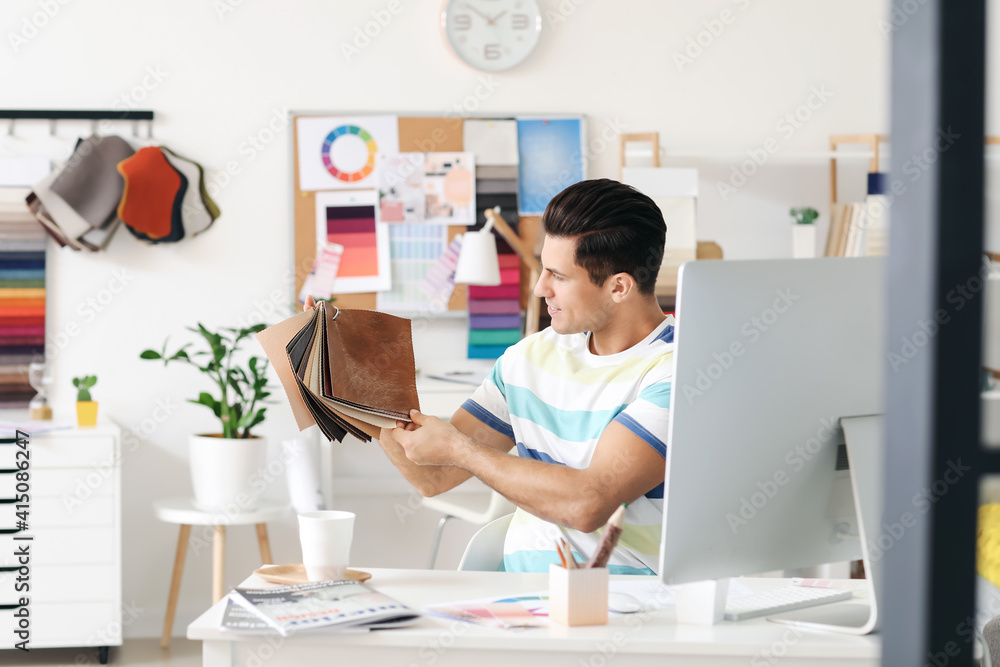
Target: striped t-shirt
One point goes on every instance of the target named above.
(554, 398)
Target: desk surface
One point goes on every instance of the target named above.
(636, 639)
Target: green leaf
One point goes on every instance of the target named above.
(150, 354)
(206, 399)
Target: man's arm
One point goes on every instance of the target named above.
(432, 480)
(623, 468)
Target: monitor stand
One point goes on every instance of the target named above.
(865, 452)
(704, 602)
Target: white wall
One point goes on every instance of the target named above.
(223, 76)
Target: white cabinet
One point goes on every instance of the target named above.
(75, 552)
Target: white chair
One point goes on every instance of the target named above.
(497, 507)
(485, 550)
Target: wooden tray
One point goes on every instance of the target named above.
(289, 575)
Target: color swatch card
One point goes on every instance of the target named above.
(319, 282)
(339, 152)
(349, 219)
(551, 159)
(414, 250)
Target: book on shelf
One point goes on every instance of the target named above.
(859, 229)
(833, 235)
(322, 604)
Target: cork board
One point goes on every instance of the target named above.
(416, 134)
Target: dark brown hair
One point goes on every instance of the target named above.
(617, 230)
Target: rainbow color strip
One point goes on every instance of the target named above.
(349, 176)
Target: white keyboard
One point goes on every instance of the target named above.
(781, 600)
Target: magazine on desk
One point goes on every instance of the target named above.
(321, 604)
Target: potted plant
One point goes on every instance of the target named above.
(86, 407)
(804, 232)
(223, 465)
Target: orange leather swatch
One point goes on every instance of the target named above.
(151, 187)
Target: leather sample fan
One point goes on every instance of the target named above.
(348, 371)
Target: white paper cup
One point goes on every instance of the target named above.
(326, 543)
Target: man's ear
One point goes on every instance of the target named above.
(621, 286)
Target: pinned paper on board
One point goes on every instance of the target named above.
(349, 219)
(550, 160)
(414, 250)
(339, 152)
(450, 188)
(493, 142)
(319, 282)
(401, 187)
(439, 281)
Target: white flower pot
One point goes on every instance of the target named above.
(223, 470)
(803, 241)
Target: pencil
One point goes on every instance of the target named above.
(612, 531)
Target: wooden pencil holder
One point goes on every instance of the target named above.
(578, 597)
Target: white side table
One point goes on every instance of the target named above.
(182, 511)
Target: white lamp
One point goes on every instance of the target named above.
(477, 262)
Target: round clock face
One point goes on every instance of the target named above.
(491, 35)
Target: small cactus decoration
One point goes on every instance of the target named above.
(83, 385)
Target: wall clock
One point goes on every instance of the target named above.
(491, 35)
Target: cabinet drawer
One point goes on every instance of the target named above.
(67, 546)
(80, 483)
(79, 624)
(69, 583)
(58, 513)
(72, 452)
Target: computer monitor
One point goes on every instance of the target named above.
(769, 357)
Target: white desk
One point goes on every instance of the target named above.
(637, 639)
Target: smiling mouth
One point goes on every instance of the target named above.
(553, 309)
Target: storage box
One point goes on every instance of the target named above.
(578, 597)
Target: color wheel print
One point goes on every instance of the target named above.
(339, 172)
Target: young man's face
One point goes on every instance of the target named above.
(574, 303)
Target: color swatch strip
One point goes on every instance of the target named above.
(353, 227)
(22, 303)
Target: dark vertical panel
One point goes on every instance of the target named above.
(938, 79)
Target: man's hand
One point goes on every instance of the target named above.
(427, 440)
(309, 304)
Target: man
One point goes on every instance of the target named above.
(585, 401)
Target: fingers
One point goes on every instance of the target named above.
(309, 304)
(418, 417)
